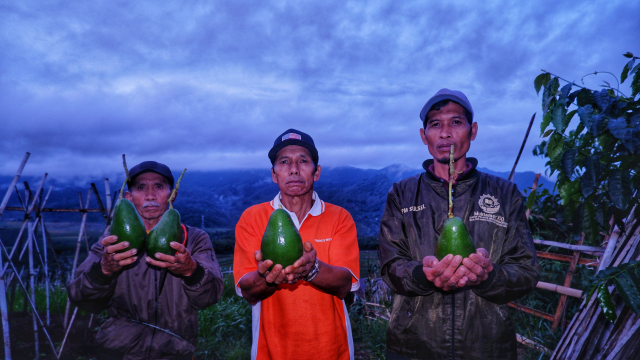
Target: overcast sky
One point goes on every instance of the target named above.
(210, 84)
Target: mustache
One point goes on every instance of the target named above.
(150, 203)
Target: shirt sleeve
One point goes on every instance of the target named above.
(248, 239)
(344, 250)
(207, 288)
(399, 270)
(91, 289)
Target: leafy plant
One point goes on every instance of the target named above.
(626, 280)
(598, 161)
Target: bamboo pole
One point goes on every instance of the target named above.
(13, 208)
(73, 317)
(582, 248)
(567, 258)
(526, 136)
(5, 313)
(46, 270)
(100, 205)
(531, 311)
(75, 258)
(107, 192)
(7, 195)
(559, 289)
(32, 286)
(33, 306)
(567, 283)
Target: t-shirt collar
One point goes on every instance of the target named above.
(316, 209)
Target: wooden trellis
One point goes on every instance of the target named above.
(33, 207)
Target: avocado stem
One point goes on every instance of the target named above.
(452, 173)
(175, 189)
(126, 179)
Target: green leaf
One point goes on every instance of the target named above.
(547, 133)
(625, 70)
(549, 93)
(606, 303)
(569, 161)
(586, 116)
(546, 120)
(585, 97)
(591, 291)
(620, 190)
(628, 290)
(618, 127)
(555, 146)
(589, 179)
(558, 114)
(590, 224)
(541, 80)
(531, 200)
(569, 192)
(635, 84)
(627, 55)
(579, 128)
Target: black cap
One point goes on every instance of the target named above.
(293, 137)
(446, 94)
(151, 166)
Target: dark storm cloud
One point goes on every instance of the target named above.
(210, 84)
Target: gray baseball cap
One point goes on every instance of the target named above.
(446, 94)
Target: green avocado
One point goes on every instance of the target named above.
(281, 242)
(455, 239)
(127, 225)
(166, 231)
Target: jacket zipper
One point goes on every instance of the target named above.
(155, 312)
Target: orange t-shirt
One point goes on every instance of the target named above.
(299, 321)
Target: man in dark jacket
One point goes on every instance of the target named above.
(454, 308)
(143, 324)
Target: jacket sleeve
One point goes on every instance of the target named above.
(399, 270)
(91, 290)
(205, 286)
(516, 272)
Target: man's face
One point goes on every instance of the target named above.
(294, 171)
(150, 195)
(445, 127)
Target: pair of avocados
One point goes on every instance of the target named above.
(127, 225)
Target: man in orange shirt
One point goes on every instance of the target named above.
(298, 312)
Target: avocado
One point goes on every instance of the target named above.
(168, 229)
(454, 239)
(281, 242)
(127, 225)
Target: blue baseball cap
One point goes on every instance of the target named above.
(293, 137)
(150, 166)
(446, 94)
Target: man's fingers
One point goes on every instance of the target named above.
(263, 266)
(166, 258)
(272, 275)
(109, 240)
(483, 252)
(429, 261)
(124, 255)
(308, 247)
(258, 255)
(128, 261)
(111, 249)
(451, 268)
(178, 247)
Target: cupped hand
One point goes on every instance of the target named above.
(114, 256)
(303, 266)
(180, 264)
(274, 276)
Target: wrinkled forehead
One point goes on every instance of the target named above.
(293, 150)
(149, 178)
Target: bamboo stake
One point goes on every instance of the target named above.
(46, 269)
(7, 195)
(75, 259)
(107, 191)
(33, 306)
(32, 286)
(100, 205)
(581, 248)
(526, 136)
(5, 313)
(567, 258)
(73, 317)
(567, 283)
(559, 289)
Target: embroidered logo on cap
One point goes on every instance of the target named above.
(291, 136)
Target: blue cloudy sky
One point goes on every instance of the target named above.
(210, 84)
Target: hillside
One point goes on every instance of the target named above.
(222, 196)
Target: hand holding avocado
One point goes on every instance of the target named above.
(303, 266)
(454, 272)
(116, 255)
(180, 264)
(275, 276)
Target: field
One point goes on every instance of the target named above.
(225, 328)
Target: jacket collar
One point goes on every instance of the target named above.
(462, 184)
